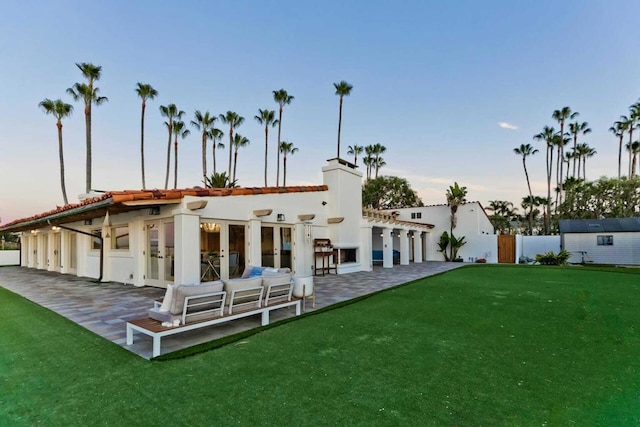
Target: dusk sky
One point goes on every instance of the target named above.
(450, 88)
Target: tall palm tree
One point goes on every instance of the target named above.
(456, 196)
(634, 148)
(378, 149)
(60, 111)
(89, 95)
(172, 114)
(203, 123)
(526, 150)
(547, 135)
(267, 118)
(561, 116)
(215, 135)
(178, 131)
(145, 92)
(355, 150)
(634, 116)
(584, 151)
(368, 159)
(628, 123)
(238, 141)
(559, 142)
(577, 128)
(342, 89)
(282, 98)
(618, 130)
(286, 148)
(234, 120)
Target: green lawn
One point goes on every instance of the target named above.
(482, 345)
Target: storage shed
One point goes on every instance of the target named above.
(602, 241)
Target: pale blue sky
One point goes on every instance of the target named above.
(432, 80)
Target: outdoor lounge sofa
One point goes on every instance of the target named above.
(377, 256)
(189, 307)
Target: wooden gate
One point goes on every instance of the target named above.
(507, 248)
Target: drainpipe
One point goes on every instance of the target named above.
(91, 235)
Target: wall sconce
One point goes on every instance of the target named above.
(34, 231)
(280, 217)
(324, 203)
(55, 228)
(88, 221)
(381, 235)
(154, 210)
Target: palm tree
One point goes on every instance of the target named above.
(203, 123)
(144, 91)
(576, 129)
(282, 98)
(286, 148)
(561, 116)
(238, 141)
(354, 151)
(634, 149)
(584, 151)
(368, 159)
(60, 111)
(179, 131)
(456, 196)
(215, 135)
(234, 120)
(618, 130)
(635, 119)
(547, 135)
(526, 150)
(628, 123)
(172, 114)
(89, 95)
(378, 163)
(378, 149)
(266, 118)
(342, 89)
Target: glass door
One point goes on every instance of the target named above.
(57, 248)
(159, 253)
(276, 246)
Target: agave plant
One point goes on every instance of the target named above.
(219, 180)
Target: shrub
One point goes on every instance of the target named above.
(551, 258)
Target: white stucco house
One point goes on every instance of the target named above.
(155, 237)
(472, 222)
(602, 241)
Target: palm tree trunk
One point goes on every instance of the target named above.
(235, 163)
(633, 165)
(213, 154)
(204, 155)
(230, 148)
(166, 177)
(558, 174)
(144, 106)
(266, 151)
(61, 155)
(278, 149)
(339, 125)
(175, 163)
(87, 118)
(630, 148)
(526, 174)
(620, 156)
(547, 223)
(284, 171)
(575, 144)
(584, 168)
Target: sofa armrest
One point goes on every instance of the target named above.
(203, 305)
(246, 298)
(278, 293)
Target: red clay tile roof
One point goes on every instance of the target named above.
(117, 197)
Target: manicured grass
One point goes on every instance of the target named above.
(481, 345)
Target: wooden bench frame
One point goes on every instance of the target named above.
(242, 303)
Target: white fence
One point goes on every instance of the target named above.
(530, 246)
(9, 257)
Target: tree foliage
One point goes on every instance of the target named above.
(604, 198)
(389, 192)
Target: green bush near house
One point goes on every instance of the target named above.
(480, 345)
(551, 258)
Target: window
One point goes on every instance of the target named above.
(413, 215)
(96, 243)
(419, 215)
(120, 237)
(605, 240)
(416, 215)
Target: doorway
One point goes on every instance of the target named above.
(159, 252)
(222, 249)
(276, 246)
(57, 249)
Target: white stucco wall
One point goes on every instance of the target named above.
(530, 246)
(11, 257)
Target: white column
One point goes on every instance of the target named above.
(387, 248)
(404, 247)
(417, 246)
(302, 251)
(187, 247)
(24, 247)
(254, 256)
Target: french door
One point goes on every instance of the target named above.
(159, 252)
(276, 246)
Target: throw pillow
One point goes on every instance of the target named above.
(168, 298)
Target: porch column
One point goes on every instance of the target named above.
(51, 247)
(24, 247)
(302, 251)
(417, 246)
(254, 257)
(387, 248)
(187, 247)
(404, 247)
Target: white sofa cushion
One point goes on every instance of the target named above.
(276, 279)
(168, 298)
(183, 291)
(239, 284)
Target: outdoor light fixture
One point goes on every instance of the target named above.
(55, 228)
(210, 227)
(280, 217)
(324, 203)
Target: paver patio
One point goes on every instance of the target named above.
(104, 308)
